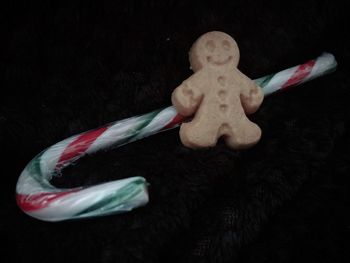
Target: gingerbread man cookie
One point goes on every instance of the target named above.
(219, 95)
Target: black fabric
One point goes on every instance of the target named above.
(67, 69)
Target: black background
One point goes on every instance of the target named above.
(67, 69)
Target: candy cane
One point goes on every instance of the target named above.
(38, 198)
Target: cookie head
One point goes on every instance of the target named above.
(215, 49)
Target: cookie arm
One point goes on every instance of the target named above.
(251, 96)
(187, 97)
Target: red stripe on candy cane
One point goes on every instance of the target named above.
(38, 201)
(301, 73)
(175, 121)
(79, 146)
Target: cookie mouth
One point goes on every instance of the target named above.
(218, 63)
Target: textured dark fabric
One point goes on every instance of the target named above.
(67, 69)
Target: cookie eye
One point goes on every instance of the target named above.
(210, 45)
(226, 45)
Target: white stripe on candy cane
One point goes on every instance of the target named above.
(50, 157)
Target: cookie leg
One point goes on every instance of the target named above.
(244, 135)
(198, 135)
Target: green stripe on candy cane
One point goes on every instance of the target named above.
(114, 199)
(38, 198)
